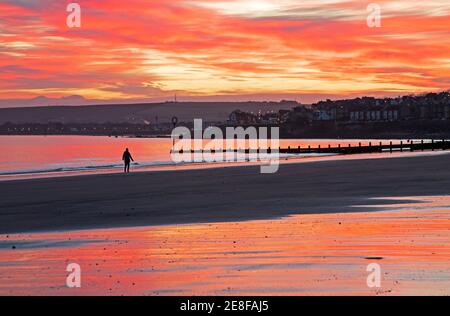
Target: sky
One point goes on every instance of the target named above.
(224, 49)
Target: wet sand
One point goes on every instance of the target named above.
(312, 254)
(310, 229)
(214, 195)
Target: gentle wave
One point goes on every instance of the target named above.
(114, 166)
(84, 168)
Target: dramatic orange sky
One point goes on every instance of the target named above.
(138, 49)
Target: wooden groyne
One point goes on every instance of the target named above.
(411, 146)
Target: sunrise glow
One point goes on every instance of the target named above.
(148, 49)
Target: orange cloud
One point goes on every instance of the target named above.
(140, 49)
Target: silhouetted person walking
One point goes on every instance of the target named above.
(127, 160)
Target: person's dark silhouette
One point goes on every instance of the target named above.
(127, 158)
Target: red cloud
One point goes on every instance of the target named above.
(125, 46)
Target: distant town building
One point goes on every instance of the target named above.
(324, 115)
(375, 115)
(240, 118)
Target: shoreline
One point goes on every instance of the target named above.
(165, 167)
(215, 194)
(288, 136)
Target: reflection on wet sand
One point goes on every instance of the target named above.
(319, 254)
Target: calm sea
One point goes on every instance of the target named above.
(43, 156)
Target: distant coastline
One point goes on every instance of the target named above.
(320, 130)
(422, 116)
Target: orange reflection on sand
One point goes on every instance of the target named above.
(299, 255)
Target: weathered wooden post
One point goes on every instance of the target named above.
(412, 146)
(390, 147)
(318, 149)
(401, 146)
(421, 145)
(309, 148)
(432, 145)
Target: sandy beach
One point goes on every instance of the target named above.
(214, 195)
(311, 229)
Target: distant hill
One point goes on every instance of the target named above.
(135, 113)
(44, 101)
